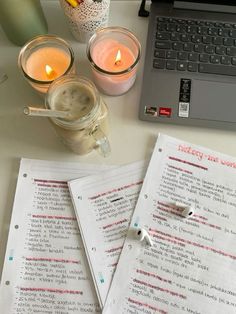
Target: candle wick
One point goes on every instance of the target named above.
(52, 74)
(118, 62)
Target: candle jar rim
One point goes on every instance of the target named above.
(84, 121)
(115, 29)
(41, 40)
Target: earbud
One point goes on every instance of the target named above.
(142, 234)
(187, 211)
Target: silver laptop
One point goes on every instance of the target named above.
(190, 64)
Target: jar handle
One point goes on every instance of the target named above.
(103, 145)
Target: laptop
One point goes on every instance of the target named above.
(190, 64)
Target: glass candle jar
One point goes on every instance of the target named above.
(86, 126)
(45, 58)
(114, 54)
(22, 20)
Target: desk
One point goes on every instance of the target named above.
(33, 137)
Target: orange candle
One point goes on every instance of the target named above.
(47, 63)
(44, 59)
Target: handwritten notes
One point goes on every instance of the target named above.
(104, 204)
(45, 269)
(191, 266)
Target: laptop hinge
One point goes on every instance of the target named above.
(204, 7)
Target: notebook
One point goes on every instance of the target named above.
(190, 64)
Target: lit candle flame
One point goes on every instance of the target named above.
(49, 71)
(118, 58)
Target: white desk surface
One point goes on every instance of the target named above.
(33, 137)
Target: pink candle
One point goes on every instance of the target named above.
(114, 54)
(105, 55)
(44, 59)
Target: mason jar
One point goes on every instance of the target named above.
(85, 128)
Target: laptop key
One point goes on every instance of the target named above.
(161, 27)
(188, 47)
(159, 63)
(202, 30)
(171, 27)
(162, 44)
(190, 22)
(180, 28)
(233, 60)
(171, 65)
(218, 24)
(192, 67)
(207, 39)
(193, 56)
(180, 21)
(203, 57)
(232, 33)
(209, 49)
(220, 50)
(215, 59)
(196, 38)
(171, 54)
(159, 53)
(162, 35)
(225, 60)
(217, 69)
(231, 51)
(223, 32)
(212, 31)
(201, 23)
(185, 37)
(182, 55)
(198, 48)
(177, 46)
(182, 65)
(174, 36)
(228, 42)
(168, 19)
(191, 29)
(217, 40)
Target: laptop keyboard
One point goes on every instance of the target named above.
(195, 46)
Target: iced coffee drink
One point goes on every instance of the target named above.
(86, 125)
